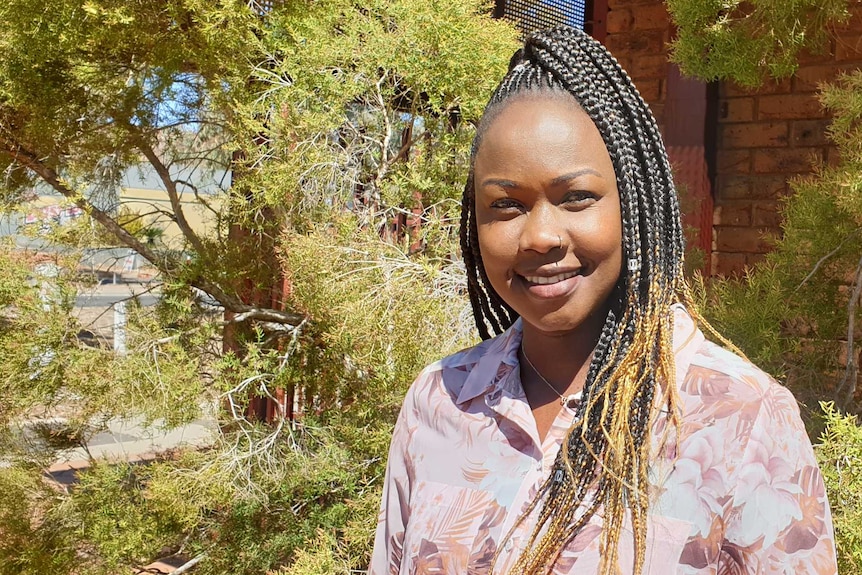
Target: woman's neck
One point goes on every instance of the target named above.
(561, 360)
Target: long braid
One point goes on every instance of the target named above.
(604, 458)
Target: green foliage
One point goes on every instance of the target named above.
(376, 310)
(797, 313)
(80, 79)
(749, 41)
(34, 536)
(840, 456)
(377, 133)
(116, 514)
(133, 222)
(318, 484)
(353, 120)
(754, 329)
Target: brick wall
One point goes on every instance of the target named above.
(764, 136)
(638, 34)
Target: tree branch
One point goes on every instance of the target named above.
(826, 257)
(173, 194)
(169, 267)
(52, 178)
(851, 372)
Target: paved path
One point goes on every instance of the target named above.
(132, 441)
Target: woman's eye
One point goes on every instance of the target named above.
(506, 204)
(579, 198)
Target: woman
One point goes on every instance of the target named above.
(598, 430)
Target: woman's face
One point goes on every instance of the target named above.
(548, 214)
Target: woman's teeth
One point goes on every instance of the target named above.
(541, 280)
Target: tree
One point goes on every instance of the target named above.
(347, 128)
(748, 42)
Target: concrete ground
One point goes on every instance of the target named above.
(132, 441)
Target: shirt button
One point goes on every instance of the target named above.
(538, 466)
(508, 544)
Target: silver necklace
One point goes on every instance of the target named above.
(569, 401)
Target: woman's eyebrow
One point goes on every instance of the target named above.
(576, 174)
(500, 183)
(558, 180)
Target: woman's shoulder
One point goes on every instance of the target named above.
(720, 386)
(724, 392)
(704, 366)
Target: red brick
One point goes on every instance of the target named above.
(631, 43)
(772, 86)
(767, 214)
(625, 63)
(736, 110)
(648, 66)
(731, 89)
(823, 54)
(733, 162)
(807, 78)
(751, 187)
(727, 265)
(809, 133)
(732, 214)
(789, 107)
(752, 259)
(786, 161)
(650, 17)
(768, 187)
(853, 24)
(742, 240)
(732, 186)
(650, 90)
(754, 135)
(657, 109)
(619, 20)
(848, 47)
(832, 156)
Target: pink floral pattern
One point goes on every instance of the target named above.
(736, 491)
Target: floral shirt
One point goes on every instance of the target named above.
(741, 494)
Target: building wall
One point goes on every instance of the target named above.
(146, 201)
(763, 137)
(638, 32)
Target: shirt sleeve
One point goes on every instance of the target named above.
(394, 508)
(779, 520)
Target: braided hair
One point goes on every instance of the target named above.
(605, 456)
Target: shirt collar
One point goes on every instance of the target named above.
(501, 355)
(494, 365)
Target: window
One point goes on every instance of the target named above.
(531, 15)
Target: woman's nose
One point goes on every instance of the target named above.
(541, 232)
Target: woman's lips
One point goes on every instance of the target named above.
(547, 287)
